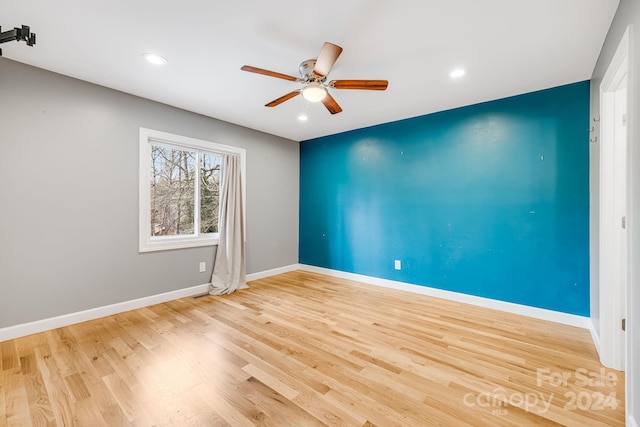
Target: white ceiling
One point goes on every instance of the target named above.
(508, 47)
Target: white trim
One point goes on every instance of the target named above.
(633, 213)
(24, 329)
(524, 310)
(595, 336)
(614, 261)
(272, 272)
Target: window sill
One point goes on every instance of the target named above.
(177, 243)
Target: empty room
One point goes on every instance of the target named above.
(362, 213)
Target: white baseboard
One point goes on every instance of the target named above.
(24, 329)
(537, 313)
(272, 272)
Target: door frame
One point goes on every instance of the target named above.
(614, 270)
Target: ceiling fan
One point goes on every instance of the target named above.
(313, 74)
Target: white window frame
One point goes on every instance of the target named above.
(149, 243)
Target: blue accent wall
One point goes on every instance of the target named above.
(489, 200)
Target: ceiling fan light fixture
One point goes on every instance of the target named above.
(314, 92)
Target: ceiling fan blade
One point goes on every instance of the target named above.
(257, 70)
(283, 98)
(331, 104)
(328, 56)
(359, 84)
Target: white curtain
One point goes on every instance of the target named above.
(229, 266)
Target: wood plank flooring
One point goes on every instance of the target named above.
(302, 349)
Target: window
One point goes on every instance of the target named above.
(179, 190)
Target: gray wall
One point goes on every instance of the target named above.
(69, 196)
(628, 13)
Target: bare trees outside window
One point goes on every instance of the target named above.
(177, 175)
(209, 192)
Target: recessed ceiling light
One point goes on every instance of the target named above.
(458, 72)
(303, 117)
(154, 59)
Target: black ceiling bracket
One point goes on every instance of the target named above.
(18, 34)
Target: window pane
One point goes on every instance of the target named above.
(209, 192)
(173, 173)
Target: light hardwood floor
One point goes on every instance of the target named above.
(302, 349)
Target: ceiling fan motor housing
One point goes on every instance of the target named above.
(306, 71)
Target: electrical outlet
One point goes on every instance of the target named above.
(397, 264)
(203, 267)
